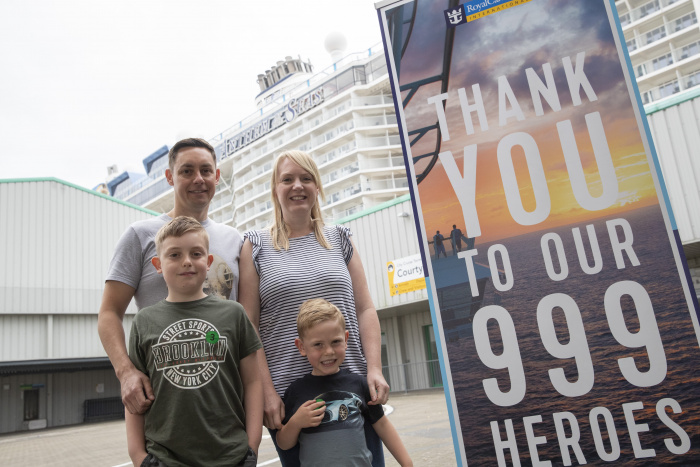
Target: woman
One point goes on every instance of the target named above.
(296, 259)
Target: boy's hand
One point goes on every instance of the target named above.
(310, 414)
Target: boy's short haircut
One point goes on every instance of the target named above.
(316, 311)
(186, 144)
(178, 227)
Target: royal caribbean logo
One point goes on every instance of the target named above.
(455, 17)
(478, 9)
(189, 352)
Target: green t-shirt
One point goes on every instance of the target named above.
(191, 351)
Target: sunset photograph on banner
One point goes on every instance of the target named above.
(567, 327)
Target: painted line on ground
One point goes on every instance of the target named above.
(271, 461)
(387, 409)
(42, 435)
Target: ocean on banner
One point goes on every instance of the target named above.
(657, 273)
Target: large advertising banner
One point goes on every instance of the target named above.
(560, 296)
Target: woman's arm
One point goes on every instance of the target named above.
(370, 332)
(249, 297)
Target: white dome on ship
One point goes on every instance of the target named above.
(336, 44)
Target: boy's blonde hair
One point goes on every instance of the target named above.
(178, 227)
(279, 231)
(317, 311)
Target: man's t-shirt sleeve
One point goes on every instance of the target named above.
(248, 341)
(126, 264)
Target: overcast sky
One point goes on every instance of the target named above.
(85, 84)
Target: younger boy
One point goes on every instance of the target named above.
(200, 354)
(325, 409)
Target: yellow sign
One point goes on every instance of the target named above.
(405, 275)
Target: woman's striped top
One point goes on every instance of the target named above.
(287, 279)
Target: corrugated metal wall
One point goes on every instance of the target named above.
(61, 397)
(384, 236)
(56, 241)
(407, 351)
(28, 337)
(23, 337)
(11, 400)
(75, 388)
(676, 134)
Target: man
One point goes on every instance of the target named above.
(193, 174)
(439, 247)
(456, 237)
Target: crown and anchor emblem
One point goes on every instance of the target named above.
(455, 16)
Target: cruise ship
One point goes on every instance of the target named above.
(663, 41)
(343, 116)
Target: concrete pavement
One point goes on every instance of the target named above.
(420, 418)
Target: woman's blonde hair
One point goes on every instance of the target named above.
(279, 231)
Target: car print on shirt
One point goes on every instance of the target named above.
(340, 405)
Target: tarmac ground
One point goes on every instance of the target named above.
(420, 418)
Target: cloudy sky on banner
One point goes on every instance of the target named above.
(482, 54)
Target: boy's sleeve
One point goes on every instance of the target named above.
(135, 351)
(371, 412)
(289, 399)
(248, 340)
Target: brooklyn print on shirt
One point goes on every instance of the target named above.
(188, 353)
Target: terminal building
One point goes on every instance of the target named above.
(59, 239)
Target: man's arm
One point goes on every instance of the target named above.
(249, 297)
(137, 394)
(253, 399)
(309, 414)
(390, 438)
(135, 438)
(370, 331)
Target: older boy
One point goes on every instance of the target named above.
(325, 410)
(200, 354)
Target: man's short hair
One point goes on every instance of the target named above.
(189, 143)
(317, 311)
(178, 227)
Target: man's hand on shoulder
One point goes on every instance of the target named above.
(137, 394)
